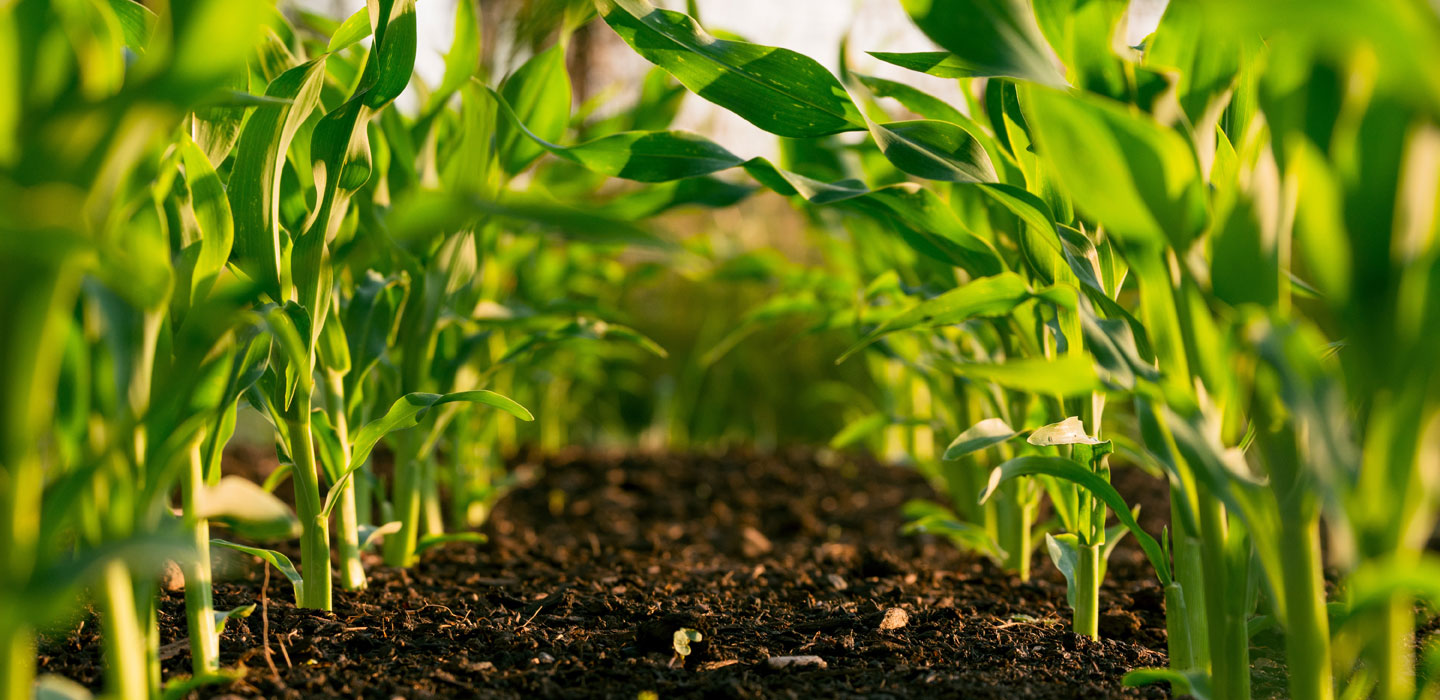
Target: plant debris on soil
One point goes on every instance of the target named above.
(592, 567)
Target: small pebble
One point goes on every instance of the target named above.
(543, 658)
(837, 582)
(894, 619)
(778, 662)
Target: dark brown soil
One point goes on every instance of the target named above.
(592, 568)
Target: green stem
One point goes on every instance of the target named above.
(1190, 574)
(1393, 634)
(1229, 642)
(1177, 629)
(432, 521)
(400, 547)
(17, 665)
(199, 606)
(314, 529)
(1087, 592)
(1014, 520)
(20, 494)
(1307, 628)
(123, 640)
(352, 570)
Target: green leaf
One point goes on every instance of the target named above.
(987, 296)
(941, 64)
(435, 540)
(1064, 550)
(212, 215)
(539, 93)
(1070, 375)
(463, 59)
(926, 516)
(255, 176)
(426, 213)
(1194, 683)
(1098, 487)
(247, 509)
(644, 156)
(184, 687)
(354, 28)
(136, 23)
(55, 687)
(934, 150)
(407, 412)
(859, 429)
(916, 100)
(776, 89)
(368, 535)
(1124, 170)
(223, 616)
(991, 431)
(276, 559)
(988, 37)
(1067, 432)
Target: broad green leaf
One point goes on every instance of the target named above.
(1098, 487)
(1064, 550)
(351, 31)
(644, 156)
(254, 183)
(463, 59)
(988, 432)
(919, 213)
(248, 510)
(917, 101)
(941, 64)
(1124, 170)
(1070, 375)
(394, 59)
(988, 37)
(987, 296)
(776, 89)
(136, 23)
(281, 563)
(934, 150)
(539, 93)
(212, 214)
(407, 412)
(655, 156)
(1067, 432)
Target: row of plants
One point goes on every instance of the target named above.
(1226, 236)
(214, 209)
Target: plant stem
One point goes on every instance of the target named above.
(1190, 574)
(352, 570)
(1014, 518)
(314, 530)
(405, 497)
(123, 640)
(1307, 628)
(1177, 629)
(199, 607)
(1393, 633)
(1229, 646)
(20, 493)
(1087, 592)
